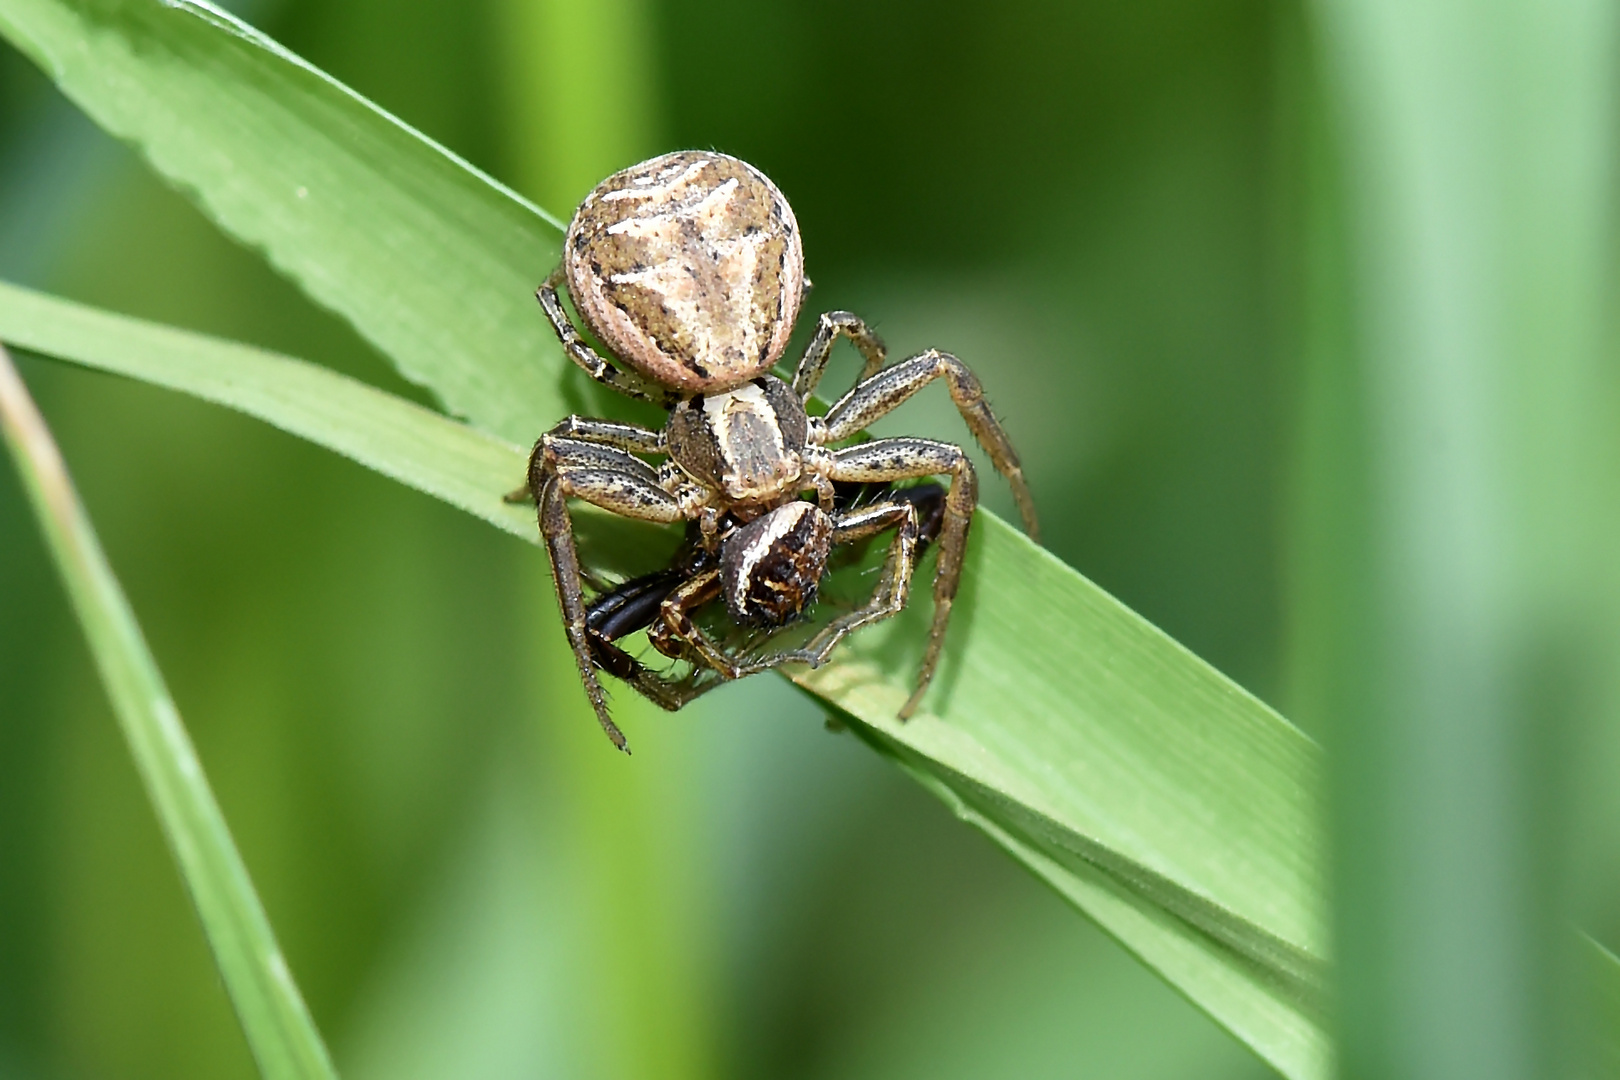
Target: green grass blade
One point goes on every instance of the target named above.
(1473, 387)
(463, 466)
(1158, 797)
(1603, 1022)
(277, 1025)
(434, 263)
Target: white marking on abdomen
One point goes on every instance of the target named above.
(650, 191)
(781, 522)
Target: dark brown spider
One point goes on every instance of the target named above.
(689, 269)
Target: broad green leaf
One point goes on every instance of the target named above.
(1157, 796)
(277, 1025)
(1152, 793)
(435, 264)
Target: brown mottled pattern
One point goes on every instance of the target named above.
(772, 567)
(689, 268)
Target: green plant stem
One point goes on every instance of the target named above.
(277, 1025)
(1470, 407)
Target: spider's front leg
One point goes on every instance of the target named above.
(627, 383)
(674, 634)
(885, 391)
(894, 588)
(832, 326)
(634, 605)
(903, 459)
(563, 468)
(669, 694)
(632, 438)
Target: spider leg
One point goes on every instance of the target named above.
(674, 634)
(883, 392)
(672, 695)
(668, 694)
(561, 468)
(625, 382)
(632, 438)
(928, 499)
(616, 433)
(826, 493)
(634, 606)
(832, 326)
(631, 607)
(901, 459)
(888, 599)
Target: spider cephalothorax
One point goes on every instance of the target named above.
(690, 270)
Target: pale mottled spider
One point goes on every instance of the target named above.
(689, 269)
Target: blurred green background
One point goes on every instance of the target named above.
(1099, 206)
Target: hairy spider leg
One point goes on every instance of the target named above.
(632, 606)
(894, 587)
(632, 438)
(829, 328)
(629, 437)
(562, 468)
(902, 459)
(625, 382)
(674, 634)
(882, 393)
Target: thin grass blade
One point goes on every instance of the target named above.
(277, 1025)
(1603, 1024)
(435, 264)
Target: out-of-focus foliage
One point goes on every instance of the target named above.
(466, 885)
(276, 1023)
(459, 880)
(1458, 497)
(1082, 201)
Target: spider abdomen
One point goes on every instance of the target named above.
(689, 267)
(771, 568)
